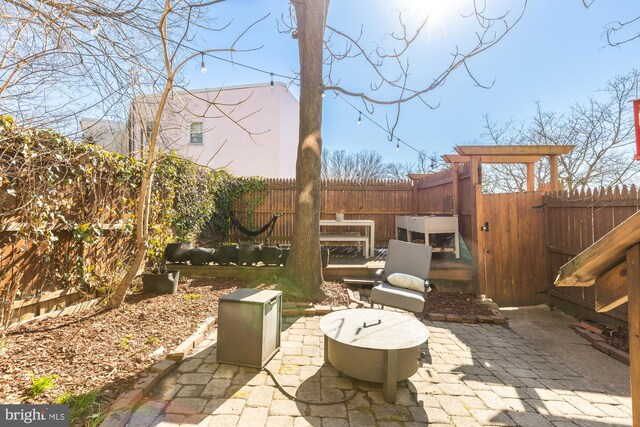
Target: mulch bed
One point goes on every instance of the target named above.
(107, 350)
(617, 338)
(100, 349)
(455, 303)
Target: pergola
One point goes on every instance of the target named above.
(477, 155)
(612, 265)
(509, 154)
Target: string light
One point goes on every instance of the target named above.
(203, 66)
(337, 94)
(272, 84)
(95, 29)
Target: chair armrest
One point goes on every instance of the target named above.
(379, 273)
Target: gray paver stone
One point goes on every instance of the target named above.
(224, 421)
(260, 396)
(286, 407)
(338, 410)
(194, 378)
(190, 365)
(452, 406)
(253, 417)
(464, 422)
(217, 387)
(279, 421)
(146, 413)
(190, 391)
(168, 420)
(358, 418)
(388, 412)
(186, 405)
(307, 422)
(530, 419)
(489, 417)
(224, 406)
(334, 422)
(196, 420)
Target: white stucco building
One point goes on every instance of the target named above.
(250, 130)
(110, 135)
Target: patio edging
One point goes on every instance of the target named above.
(601, 344)
(297, 309)
(120, 410)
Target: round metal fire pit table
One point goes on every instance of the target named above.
(374, 345)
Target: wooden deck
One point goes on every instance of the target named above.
(344, 262)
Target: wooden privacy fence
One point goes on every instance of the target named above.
(447, 193)
(378, 200)
(573, 222)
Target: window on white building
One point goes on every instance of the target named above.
(195, 133)
(145, 133)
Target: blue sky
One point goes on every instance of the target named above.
(555, 56)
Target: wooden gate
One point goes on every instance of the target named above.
(511, 262)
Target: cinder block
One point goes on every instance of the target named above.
(163, 367)
(619, 355)
(146, 382)
(322, 309)
(466, 318)
(290, 312)
(454, 318)
(117, 418)
(603, 347)
(484, 319)
(128, 400)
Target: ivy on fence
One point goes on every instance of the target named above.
(67, 210)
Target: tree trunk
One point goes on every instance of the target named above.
(304, 265)
(116, 297)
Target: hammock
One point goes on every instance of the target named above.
(254, 233)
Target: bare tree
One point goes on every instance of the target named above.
(362, 165)
(368, 164)
(619, 32)
(174, 28)
(601, 129)
(62, 60)
(426, 163)
(320, 61)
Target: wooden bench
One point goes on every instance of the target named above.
(362, 241)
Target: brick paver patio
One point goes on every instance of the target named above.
(472, 375)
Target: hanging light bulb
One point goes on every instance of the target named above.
(95, 29)
(203, 66)
(359, 118)
(272, 84)
(397, 144)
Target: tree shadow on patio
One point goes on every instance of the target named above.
(497, 377)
